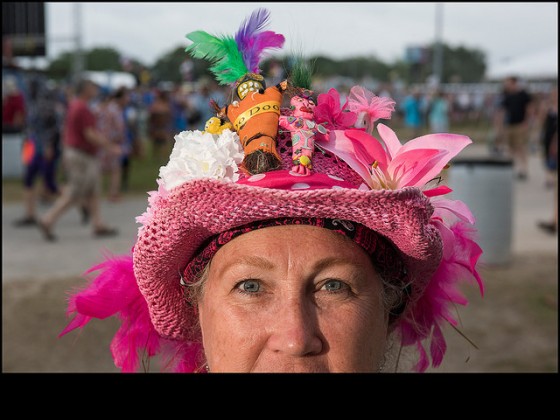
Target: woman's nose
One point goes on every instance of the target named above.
(295, 330)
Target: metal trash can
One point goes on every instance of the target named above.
(486, 186)
(12, 166)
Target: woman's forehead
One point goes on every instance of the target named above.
(311, 241)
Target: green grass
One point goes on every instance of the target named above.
(11, 190)
(143, 172)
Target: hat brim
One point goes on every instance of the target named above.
(200, 209)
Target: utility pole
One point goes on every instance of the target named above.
(438, 47)
(78, 63)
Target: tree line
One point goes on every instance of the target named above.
(460, 64)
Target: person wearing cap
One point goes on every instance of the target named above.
(331, 270)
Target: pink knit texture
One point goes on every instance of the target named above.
(197, 210)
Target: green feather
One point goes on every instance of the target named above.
(231, 67)
(222, 52)
(205, 46)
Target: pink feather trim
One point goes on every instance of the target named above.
(114, 292)
(442, 293)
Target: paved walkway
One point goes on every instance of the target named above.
(27, 256)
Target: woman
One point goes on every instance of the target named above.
(278, 272)
(268, 272)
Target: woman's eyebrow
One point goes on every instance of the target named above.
(330, 261)
(266, 264)
(250, 260)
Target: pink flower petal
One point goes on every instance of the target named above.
(441, 190)
(340, 145)
(390, 140)
(329, 112)
(370, 147)
(410, 167)
(452, 143)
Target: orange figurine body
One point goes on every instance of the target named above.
(255, 118)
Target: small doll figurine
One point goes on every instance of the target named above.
(303, 129)
(215, 125)
(255, 118)
(235, 62)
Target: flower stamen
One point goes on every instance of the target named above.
(379, 176)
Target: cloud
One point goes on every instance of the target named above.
(340, 30)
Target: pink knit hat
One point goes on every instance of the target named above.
(345, 173)
(183, 219)
(198, 199)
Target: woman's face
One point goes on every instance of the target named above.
(293, 299)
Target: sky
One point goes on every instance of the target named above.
(145, 31)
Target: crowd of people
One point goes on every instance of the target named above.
(519, 121)
(120, 124)
(82, 132)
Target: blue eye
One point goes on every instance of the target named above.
(249, 286)
(334, 286)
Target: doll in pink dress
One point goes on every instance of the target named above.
(303, 130)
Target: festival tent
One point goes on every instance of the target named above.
(537, 65)
(111, 80)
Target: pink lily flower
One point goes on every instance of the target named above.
(388, 164)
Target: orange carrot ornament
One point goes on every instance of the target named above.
(255, 112)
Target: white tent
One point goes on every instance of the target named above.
(111, 80)
(534, 65)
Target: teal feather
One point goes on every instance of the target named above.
(223, 54)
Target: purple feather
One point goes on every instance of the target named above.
(265, 40)
(252, 42)
(252, 25)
